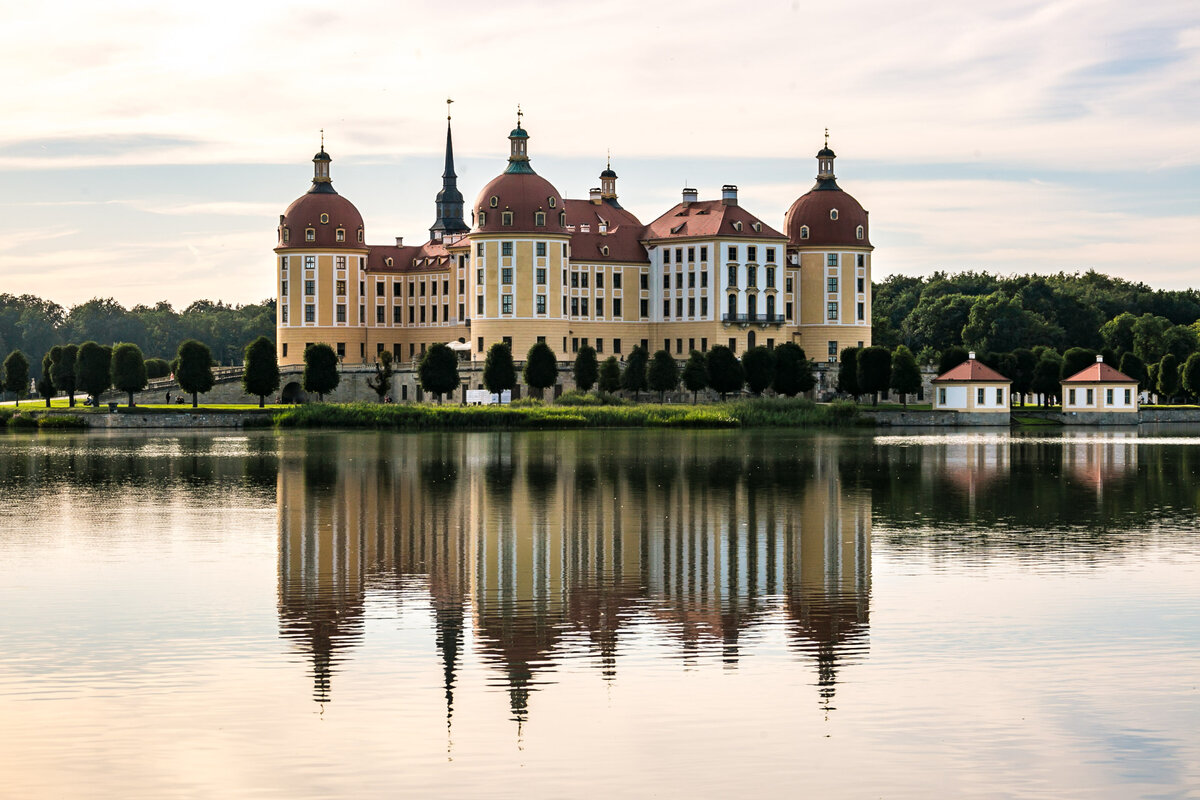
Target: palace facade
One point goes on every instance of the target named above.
(535, 266)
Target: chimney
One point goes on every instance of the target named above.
(729, 195)
(971, 356)
(399, 241)
(595, 194)
(1099, 359)
(690, 196)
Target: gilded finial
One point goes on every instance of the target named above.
(322, 140)
(609, 166)
(519, 112)
(448, 102)
(827, 137)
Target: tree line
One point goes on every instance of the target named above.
(33, 325)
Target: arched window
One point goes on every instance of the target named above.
(562, 219)
(803, 231)
(341, 234)
(833, 213)
(506, 218)
(539, 218)
(859, 232)
(310, 234)
(752, 305)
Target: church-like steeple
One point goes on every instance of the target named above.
(449, 200)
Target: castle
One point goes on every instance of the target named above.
(534, 266)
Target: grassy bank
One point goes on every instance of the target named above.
(30, 420)
(760, 413)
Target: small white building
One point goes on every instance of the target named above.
(972, 386)
(1099, 387)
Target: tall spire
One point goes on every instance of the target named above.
(449, 201)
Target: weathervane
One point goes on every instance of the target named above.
(519, 112)
(322, 140)
(827, 137)
(448, 102)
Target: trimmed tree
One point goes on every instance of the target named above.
(16, 374)
(1132, 366)
(94, 370)
(1168, 377)
(725, 372)
(663, 374)
(499, 372)
(695, 376)
(906, 375)
(439, 370)
(1047, 376)
(793, 371)
(382, 383)
(128, 369)
(633, 379)
(1191, 375)
(759, 365)
(848, 372)
(874, 371)
(260, 375)
(1077, 359)
(157, 368)
(541, 368)
(950, 358)
(610, 375)
(62, 370)
(1025, 362)
(320, 370)
(193, 368)
(45, 384)
(586, 368)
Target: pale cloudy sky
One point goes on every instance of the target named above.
(149, 147)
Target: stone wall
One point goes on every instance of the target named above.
(936, 419)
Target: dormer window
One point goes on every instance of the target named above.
(562, 219)
(310, 234)
(389, 261)
(603, 249)
(341, 234)
(757, 227)
(833, 213)
(737, 225)
(360, 235)
(324, 219)
(552, 201)
(482, 218)
(495, 201)
(803, 231)
(539, 218)
(506, 218)
(286, 236)
(858, 232)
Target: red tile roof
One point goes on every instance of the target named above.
(622, 236)
(708, 218)
(1099, 373)
(972, 371)
(428, 257)
(811, 210)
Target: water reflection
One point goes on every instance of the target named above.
(562, 546)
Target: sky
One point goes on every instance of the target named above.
(149, 147)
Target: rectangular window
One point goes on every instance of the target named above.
(831, 311)
(341, 312)
(479, 249)
(283, 311)
(433, 313)
(666, 255)
(445, 286)
(979, 396)
(506, 304)
(733, 345)
(691, 306)
(704, 254)
(666, 280)
(678, 346)
(462, 287)
(770, 277)
(732, 252)
(506, 249)
(1071, 396)
(666, 308)
(339, 288)
(479, 340)
(599, 306)
(422, 315)
(284, 289)
(379, 288)
(704, 307)
(310, 288)
(396, 289)
(678, 255)
(1128, 393)
(941, 396)
(285, 349)
(645, 281)
(831, 350)
(541, 303)
(616, 345)
(379, 314)
(862, 260)
(787, 285)
(1091, 396)
(574, 344)
(396, 318)
(541, 276)
(574, 280)
(478, 305)
(703, 344)
(583, 280)
(283, 262)
(862, 312)
(787, 312)
(691, 254)
(422, 288)
(704, 280)
(541, 249)
(617, 279)
(599, 280)
(574, 306)
(645, 308)
(752, 253)
(679, 307)
(506, 276)
(831, 260)
(506, 218)
(599, 345)
(752, 276)
(861, 284)
(310, 312)
(462, 311)
(412, 310)
(999, 397)
(831, 285)
(732, 275)
(478, 277)
(310, 262)
(617, 307)
(770, 255)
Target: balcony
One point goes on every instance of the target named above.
(751, 319)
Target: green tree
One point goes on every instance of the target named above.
(438, 370)
(1151, 377)
(586, 368)
(128, 369)
(906, 375)
(193, 368)
(157, 368)
(874, 371)
(848, 372)
(1076, 360)
(633, 379)
(1024, 364)
(950, 358)
(793, 372)
(1047, 376)
(938, 321)
(499, 372)
(1168, 377)
(62, 370)
(1001, 323)
(16, 374)
(45, 384)
(759, 366)
(1117, 333)
(725, 372)
(382, 382)
(695, 376)
(1148, 331)
(94, 370)
(260, 371)
(1132, 366)
(1179, 341)
(610, 375)
(541, 368)
(663, 374)
(1191, 375)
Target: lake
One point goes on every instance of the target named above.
(591, 613)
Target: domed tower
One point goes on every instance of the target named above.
(320, 264)
(828, 242)
(520, 246)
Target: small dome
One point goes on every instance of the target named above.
(825, 152)
(523, 194)
(608, 173)
(518, 133)
(814, 211)
(322, 156)
(309, 210)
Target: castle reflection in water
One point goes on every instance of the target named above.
(533, 540)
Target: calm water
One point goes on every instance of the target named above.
(628, 614)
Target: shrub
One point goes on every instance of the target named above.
(66, 422)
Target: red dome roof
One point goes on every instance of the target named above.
(814, 210)
(524, 194)
(306, 212)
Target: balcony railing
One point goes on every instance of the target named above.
(748, 318)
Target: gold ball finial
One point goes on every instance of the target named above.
(322, 140)
(448, 102)
(519, 113)
(827, 137)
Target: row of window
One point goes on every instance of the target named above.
(310, 234)
(506, 249)
(859, 233)
(1091, 396)
(539, 218)
(831, 311)
(751, 277)
(831, 285)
